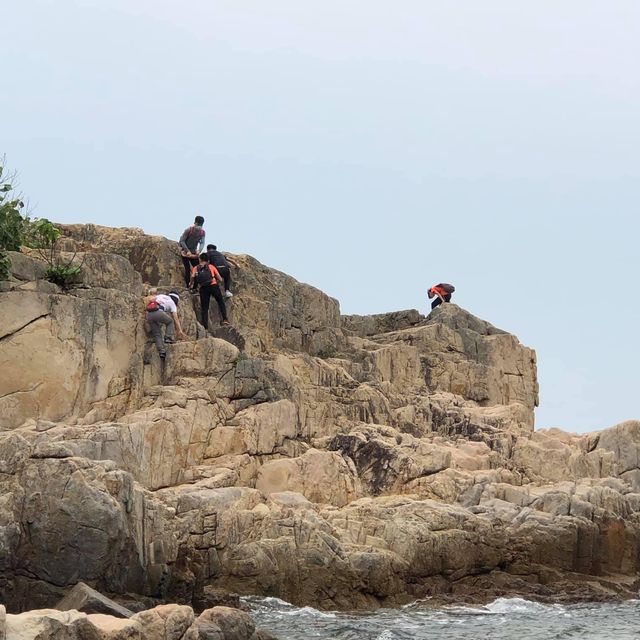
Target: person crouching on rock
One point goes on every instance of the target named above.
(221, 263)
(206, 277)
(162, 311)
(191, 244)
(441, 292)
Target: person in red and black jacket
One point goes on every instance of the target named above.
(207, 277)
(441, 292)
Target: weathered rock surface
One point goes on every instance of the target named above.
(337, 462)
(83, 598)
(164, 622)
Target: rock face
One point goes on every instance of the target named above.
(165, 622)
(326, 460)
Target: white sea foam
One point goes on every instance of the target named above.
(502, 619)
(502, 606)
(310, 611)
(517, 605)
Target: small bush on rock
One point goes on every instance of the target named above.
(44, 236)
(13, 224)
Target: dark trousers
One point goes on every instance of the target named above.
(225, 272)
(188, 263)
(206, 291)
(438, 300)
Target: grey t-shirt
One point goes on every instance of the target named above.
(192, 239)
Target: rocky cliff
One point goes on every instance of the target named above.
(337, 461)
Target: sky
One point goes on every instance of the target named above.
(370, 148)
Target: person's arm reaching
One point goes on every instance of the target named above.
(176, 321)
(216, 274)
(232, 262)
(201, 243)
(183, 240)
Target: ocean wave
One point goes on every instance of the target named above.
(284, 608)
(502, 606)
(502, 619)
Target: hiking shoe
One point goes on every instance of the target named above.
(163, 354)
(228, 294)
(169, 341)
(225, 323)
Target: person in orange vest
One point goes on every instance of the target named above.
(207, 278)
(441, 292)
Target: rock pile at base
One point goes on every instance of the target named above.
(334, 461)
(164, 622)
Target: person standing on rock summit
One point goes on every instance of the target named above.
(441, 292)
(206, 277)
(221, 263)
(162, 311)
(191, 244)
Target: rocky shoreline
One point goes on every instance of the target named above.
(341, 462)
(164, 622)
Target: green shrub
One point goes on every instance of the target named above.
(63, 276)
(13, 224)
(17, 230)
(327, 352)
(44, 236)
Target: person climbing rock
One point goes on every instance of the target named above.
(191, 244)
(162, 311)
(221, 263)
(441, 292)
(206, 277)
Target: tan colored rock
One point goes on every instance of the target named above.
(321, 476)
(232, 623)
(267, 426)
(112, 628)
(279, 311)
(164, 622)
(339, 462)
(79, 352)
(48, 624)
(170, 622)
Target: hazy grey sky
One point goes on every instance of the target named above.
(371, 148)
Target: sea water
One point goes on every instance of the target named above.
(503, 619)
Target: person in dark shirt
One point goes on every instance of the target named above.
(207, 277)
(191, 243)
(221, 263)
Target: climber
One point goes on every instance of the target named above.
(221, 263)
(191, 244)
(206, 276)
(442, 293)
(163, 310)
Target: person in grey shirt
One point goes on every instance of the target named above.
(191, 244)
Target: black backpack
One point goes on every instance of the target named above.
(449, 288)
(204, 276)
